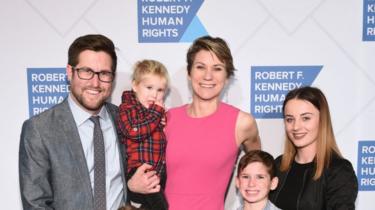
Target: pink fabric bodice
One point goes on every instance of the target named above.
(200, 157)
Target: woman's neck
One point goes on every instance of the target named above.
(202, 108)
(305, 155)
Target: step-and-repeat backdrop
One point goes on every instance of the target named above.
(277, 46)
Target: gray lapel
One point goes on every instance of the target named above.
(75, 146)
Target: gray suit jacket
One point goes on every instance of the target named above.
(52, 166)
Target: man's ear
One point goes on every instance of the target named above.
(274, 183)
(69, 72)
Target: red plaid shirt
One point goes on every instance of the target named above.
(142, 132)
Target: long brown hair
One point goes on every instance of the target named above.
(326, 142)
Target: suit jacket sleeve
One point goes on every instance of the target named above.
(34, 169)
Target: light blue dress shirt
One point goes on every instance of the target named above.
(114, 184)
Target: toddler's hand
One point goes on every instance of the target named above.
(160, 103)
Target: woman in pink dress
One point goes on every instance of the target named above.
(204, 136)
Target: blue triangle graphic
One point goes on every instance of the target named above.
(194, 30)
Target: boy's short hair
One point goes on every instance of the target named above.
(147, 66)
(257, 156)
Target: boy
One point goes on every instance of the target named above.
(141, 124)
(256, 176)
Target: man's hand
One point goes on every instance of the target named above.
(144, 181)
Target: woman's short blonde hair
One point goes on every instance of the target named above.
(216, 45)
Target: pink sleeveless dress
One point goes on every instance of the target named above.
(200, 157)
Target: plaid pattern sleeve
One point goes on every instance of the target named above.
(142, 132)
(138, 122)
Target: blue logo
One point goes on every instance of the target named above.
(368, 20)
(169, 21)
(366, 165)
(47, 87)
(270, 84)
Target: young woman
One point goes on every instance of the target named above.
(312, 173)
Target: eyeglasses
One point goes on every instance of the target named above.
(87, 73)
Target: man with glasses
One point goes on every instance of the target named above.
(60, 165)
